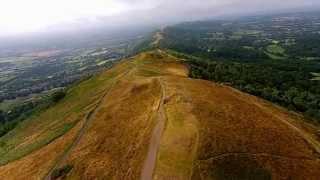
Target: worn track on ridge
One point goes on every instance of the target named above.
(150, 161)
(148, 120)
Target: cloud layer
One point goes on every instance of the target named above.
(31, 15)
(197, 9)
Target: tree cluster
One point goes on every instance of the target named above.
(290, 88)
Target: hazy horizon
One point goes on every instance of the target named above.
(20, 17)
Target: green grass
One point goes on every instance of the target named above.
(247, 32)
(316, 76)
(6, 77)
(46, 126)
(311, 58)
(248, 47)
(276, 52)
(236, 37)
(273, 56)
(275, 49)
(14, 154)
(7, 104)
(180, 55)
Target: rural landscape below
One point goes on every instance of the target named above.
(226, 97)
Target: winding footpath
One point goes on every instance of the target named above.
(151, 159)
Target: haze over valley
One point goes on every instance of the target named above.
(147, 89)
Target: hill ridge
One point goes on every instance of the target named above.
(146, 119)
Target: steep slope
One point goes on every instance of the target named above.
(146, 119)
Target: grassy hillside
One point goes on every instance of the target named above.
(40, 130)
(146, 118)
(273, 57)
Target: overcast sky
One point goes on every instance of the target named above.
(19, 16)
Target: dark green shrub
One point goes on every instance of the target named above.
(57, 96)
(61, 172)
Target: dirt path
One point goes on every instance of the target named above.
(224, 155)
(88, 119)
(150, 161)
(157, 38)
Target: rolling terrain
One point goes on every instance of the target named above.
(146, 119)
(274, 57)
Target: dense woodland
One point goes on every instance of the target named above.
(286, 86)
(277, 58)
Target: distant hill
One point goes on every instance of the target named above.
(275, 57)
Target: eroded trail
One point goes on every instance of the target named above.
(150, 161)
(88, 119)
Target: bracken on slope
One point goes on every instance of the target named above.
(146, 119)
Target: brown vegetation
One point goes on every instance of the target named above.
(211, 132)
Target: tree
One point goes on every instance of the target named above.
(2, 116)
(57, 96)
(291, 93)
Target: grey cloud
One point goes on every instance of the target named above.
(163, 11)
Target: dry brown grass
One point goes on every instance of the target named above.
(212, 131)
(179, 142)
(34, 144)
(116, 144)
(240, 135)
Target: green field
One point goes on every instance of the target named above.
(316, 76)
(275, 51)
(7, 104)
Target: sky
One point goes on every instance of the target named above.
(22, 16)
